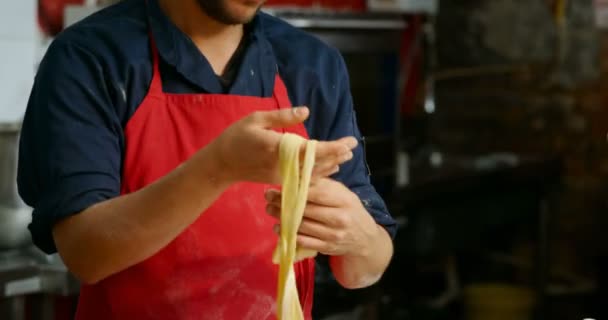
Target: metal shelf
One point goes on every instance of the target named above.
(347, 31)
(406, 6)
(324, 19)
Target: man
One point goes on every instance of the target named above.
(149, 152)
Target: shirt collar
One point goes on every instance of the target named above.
(176, 49)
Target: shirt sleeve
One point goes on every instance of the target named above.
(71, 140)
(355, 174)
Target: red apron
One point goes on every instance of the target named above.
(220, 267)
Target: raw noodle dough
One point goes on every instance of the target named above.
(295, 183)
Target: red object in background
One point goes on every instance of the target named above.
(65, 308)
(52, 307)
(289, 3)
(412, 59)
(353, 5)
(50, 15)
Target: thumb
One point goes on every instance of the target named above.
(280, 118)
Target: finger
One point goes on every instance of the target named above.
(313, 214)
(324, 173)
(337, 148)
(318, 221)
(305, 241)
(322, 168)
(349, 141)
(334, 171)
(329, 171)
(274, 210)
(332, 218)
(329, 193)
(330, 164)
(323, 193)
(330, 150)
(311, 243)
(333, 147)
(315, 229)
(334, 160)
(327, 164)
(279, 118)
(272, 196)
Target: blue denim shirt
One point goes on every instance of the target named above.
(96, 73)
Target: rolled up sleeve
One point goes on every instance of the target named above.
(355, 173)
(71, 140)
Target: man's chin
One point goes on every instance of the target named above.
(231, 13)
(243, 17)
(255, 3)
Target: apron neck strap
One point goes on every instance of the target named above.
(157, 84)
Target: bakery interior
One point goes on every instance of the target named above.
(486, 129)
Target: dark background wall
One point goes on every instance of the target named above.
(511, 79)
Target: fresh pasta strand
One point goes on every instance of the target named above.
(295, 184)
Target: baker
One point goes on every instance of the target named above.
(149, 152)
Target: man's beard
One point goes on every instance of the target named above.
(217, 10)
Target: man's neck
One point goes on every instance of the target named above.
(215, 40)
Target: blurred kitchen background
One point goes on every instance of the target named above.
(486, 128)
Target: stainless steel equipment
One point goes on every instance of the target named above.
(9, 144)
(13, 227)
(14, 214)
(25, 272)
(30, 283)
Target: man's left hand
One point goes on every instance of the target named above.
(335, 222)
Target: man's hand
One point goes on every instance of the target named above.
(249, 149)
(336, 224)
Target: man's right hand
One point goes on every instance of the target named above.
(249, 149)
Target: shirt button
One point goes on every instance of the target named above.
(252, 72)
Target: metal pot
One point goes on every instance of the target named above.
(9, 145)
(14, 214)
(13, 227)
